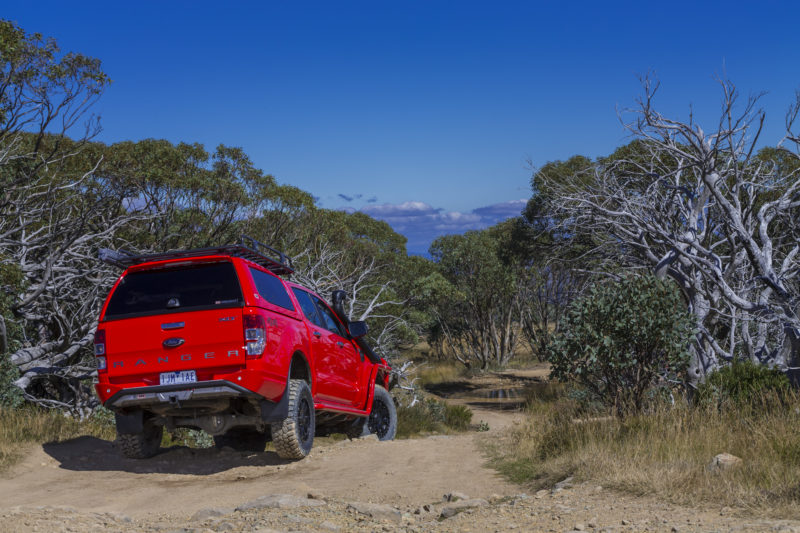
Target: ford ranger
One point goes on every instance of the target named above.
(216, 339)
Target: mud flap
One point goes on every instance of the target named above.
(131, 423)
(275, 412)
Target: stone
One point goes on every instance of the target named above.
(280, 501)
(377, 511)
(454, 496)
(724, 461)
(210, 512)
(579, 527)
(541, 494)
(564, 483)
(454, 508)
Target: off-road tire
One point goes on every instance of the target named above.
(141, 445)
(242, 440)
(382, 419)
(294, 435)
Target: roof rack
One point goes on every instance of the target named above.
(248, 248)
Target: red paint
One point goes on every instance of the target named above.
(212, 342)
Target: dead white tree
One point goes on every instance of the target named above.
(371, 297)
(54, 213)
(710, 211)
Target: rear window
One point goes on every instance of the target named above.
(193, 288)
(271, 289)
(308, 307)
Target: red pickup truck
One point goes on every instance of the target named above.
(215, 339)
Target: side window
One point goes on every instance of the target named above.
(308, 307)
(331, 324)
(271, 289)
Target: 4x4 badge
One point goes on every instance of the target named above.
(173, 342)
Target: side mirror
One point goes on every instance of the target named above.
(358, 329)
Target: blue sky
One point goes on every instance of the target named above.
(424, 114)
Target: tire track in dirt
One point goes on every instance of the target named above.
(90, 475)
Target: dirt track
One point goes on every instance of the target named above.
(85, 485)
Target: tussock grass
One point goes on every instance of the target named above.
(440, 372)
(19, 428)
(665, 453)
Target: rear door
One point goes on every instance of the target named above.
(343, 359)
(321, 346)
(176, 317)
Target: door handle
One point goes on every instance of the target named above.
(317, 334)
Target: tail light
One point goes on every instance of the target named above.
(255, 335)
(100, 350)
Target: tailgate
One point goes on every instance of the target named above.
(177, 341)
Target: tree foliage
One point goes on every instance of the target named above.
(65, 196)
(706, 209)
(475, 295)
(623, 338)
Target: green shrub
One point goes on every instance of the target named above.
(192, 438)
(457, 417)
(744, 383)
(10, 394)
(621, 339)
(10, 335)
(430, 415)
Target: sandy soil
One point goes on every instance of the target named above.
(85, 485)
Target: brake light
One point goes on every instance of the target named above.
(255, 335)
(100, 342)
(100, 350)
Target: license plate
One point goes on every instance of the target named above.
(176, 378)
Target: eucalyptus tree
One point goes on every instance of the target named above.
(477, 297)
(52, 211)
(367, 259)
(707, 209)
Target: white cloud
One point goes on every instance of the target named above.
(406, 209)
(421, 223)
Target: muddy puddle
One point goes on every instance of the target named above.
(497, 392)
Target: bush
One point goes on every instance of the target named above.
(10, 394)
(191, 438)
(457, 417)
(430, 415)
(744, 383)
(621, 339)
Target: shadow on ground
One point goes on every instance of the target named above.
(93, 454)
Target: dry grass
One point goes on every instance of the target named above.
(440, 372)
(19, 428)
(665, 453)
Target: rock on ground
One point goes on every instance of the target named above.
(280, 501)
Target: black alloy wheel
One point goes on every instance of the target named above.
(304, 429)
(382, 421)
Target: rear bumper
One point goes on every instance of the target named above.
(171, 394)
